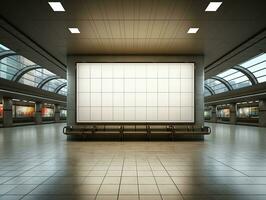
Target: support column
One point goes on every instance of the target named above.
(38, 113)
(262, 113)
(213, 114)
(7, 112)
(232, 108)
(57, 113)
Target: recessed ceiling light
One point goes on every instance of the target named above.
(213, 6)
(74, 30)
(56, 6)
(193, 30)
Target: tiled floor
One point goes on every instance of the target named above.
(36, 162)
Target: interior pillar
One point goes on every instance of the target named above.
(262, 113)
(57, 113)
(7, 112)
(38, 113)
(233, 116)
(213, 114)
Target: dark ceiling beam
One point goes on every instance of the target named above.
(24, 45)
(60, 87)
(247, 73)
(25, 70)
(46, 80)
(225, 82)
(209, 89)
(6, 53)
(250, 43)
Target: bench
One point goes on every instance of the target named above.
(147, 130)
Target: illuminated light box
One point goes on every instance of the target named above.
(135, 92)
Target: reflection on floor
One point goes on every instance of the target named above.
(36, 162)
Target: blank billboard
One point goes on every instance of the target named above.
(135, 92)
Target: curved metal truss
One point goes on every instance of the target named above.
(60, 87)
(25, 70)
(6, 53)
(46, 80)
(247, 73)
(226, 83)
(209, 89)
(19, 69)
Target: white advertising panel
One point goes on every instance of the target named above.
(135, 92)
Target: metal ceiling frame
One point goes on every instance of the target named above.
(60, 87)
(225, 82)
(23, 71)
(6, 53)
(247, 73)
(209, 89)
(46, 80)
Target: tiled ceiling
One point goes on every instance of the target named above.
(139, 27)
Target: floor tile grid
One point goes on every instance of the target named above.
(17, 186)
(155, 180)
(171, 179)
(228, 166)
(101, 185)
(120, 182)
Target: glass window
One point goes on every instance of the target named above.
(34, 77)
(248, 112)
(207, 93)
(257, 66)
(11, 65)
(63, 91)
(3, 48)
(235, 78)
(53, 84)
(254, 61)
(207, 114)
(216, 85)
(223, 113)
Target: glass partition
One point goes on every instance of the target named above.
(248, 112)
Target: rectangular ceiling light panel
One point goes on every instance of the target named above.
(57, 6)
(135, 92)
(74, 30)
(193, 30)
(213, 6)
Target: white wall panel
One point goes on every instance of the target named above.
(135, 92)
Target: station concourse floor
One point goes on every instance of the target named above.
(37, 162)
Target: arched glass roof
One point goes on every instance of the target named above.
(63, 91)
(18, 68)
(235, 78)
(34, 77)
(216, 86)
(257, 66)
(53, 84)
(207, 92)
(10, 65)
(245, 74)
